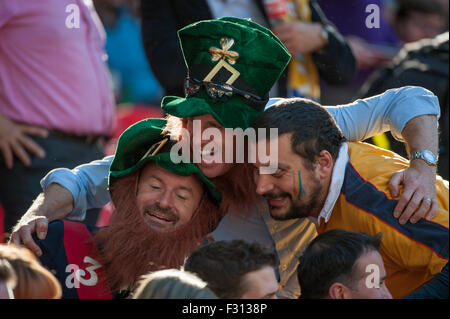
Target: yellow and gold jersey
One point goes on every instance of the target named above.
(412, 253)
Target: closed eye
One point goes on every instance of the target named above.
(278, 173)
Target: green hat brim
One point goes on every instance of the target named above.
(229, 114)
(132, 146)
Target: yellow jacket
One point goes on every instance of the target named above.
(412, 253)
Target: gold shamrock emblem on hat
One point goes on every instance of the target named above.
(226, 44)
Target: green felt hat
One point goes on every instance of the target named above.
(142, 142)
(229, 51)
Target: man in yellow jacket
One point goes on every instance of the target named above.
(345, 185)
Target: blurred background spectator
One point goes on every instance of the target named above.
(423, 63)
(33, 280)
(371, 46)
(56, 105)
(172, 284)
(400, 21)
(317, 47)
(420, 19)
(133, 79)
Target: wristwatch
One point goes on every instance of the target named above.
(426, 155)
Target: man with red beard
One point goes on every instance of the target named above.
(174, 206)
(237, 52)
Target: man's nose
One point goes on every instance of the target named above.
(263, 183)
(164, 200)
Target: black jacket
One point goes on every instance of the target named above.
(162, 18)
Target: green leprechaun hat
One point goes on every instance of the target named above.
(144, 141)
(232, 65)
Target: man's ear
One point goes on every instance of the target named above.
(339, 291)
(324, 163)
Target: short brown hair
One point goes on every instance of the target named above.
(33, 280)
(224, 264)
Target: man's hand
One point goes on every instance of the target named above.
(300, 37)
(25, 228)
(56, 202)
(366, 57)
(14, 140)
(419, 182)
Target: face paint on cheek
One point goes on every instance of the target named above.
(297, 185)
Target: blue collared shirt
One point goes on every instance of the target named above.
(358, 121)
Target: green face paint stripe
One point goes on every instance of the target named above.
(299, 184)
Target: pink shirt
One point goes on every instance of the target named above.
(52, 75)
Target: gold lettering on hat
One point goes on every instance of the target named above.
(154, 149)
(223, 55)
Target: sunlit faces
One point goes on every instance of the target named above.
(260, 284)
(166, 200)
(369, 282)
(296, 189)
(209, 145)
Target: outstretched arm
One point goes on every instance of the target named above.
(411, 114)
(67, 193)
(54, 203)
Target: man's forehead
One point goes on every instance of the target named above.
(280, 156)
(152, 170)
(369, 258)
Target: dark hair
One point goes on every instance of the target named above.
(312, 126)
(330, 258)
(223, 265)
(405, 7)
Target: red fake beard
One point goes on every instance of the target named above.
(129, 248)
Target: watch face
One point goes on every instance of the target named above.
(426, 155)
(429, 157)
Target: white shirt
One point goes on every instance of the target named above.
(337, 179)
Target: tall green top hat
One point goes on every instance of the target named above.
(232, 65)
(142, 142)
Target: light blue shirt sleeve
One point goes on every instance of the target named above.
(359, 120)
(389, 111)
(88, 184)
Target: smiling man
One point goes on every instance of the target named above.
(232, 65)
(162, 211)
(346, 185)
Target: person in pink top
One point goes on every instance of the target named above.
(56, 104)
